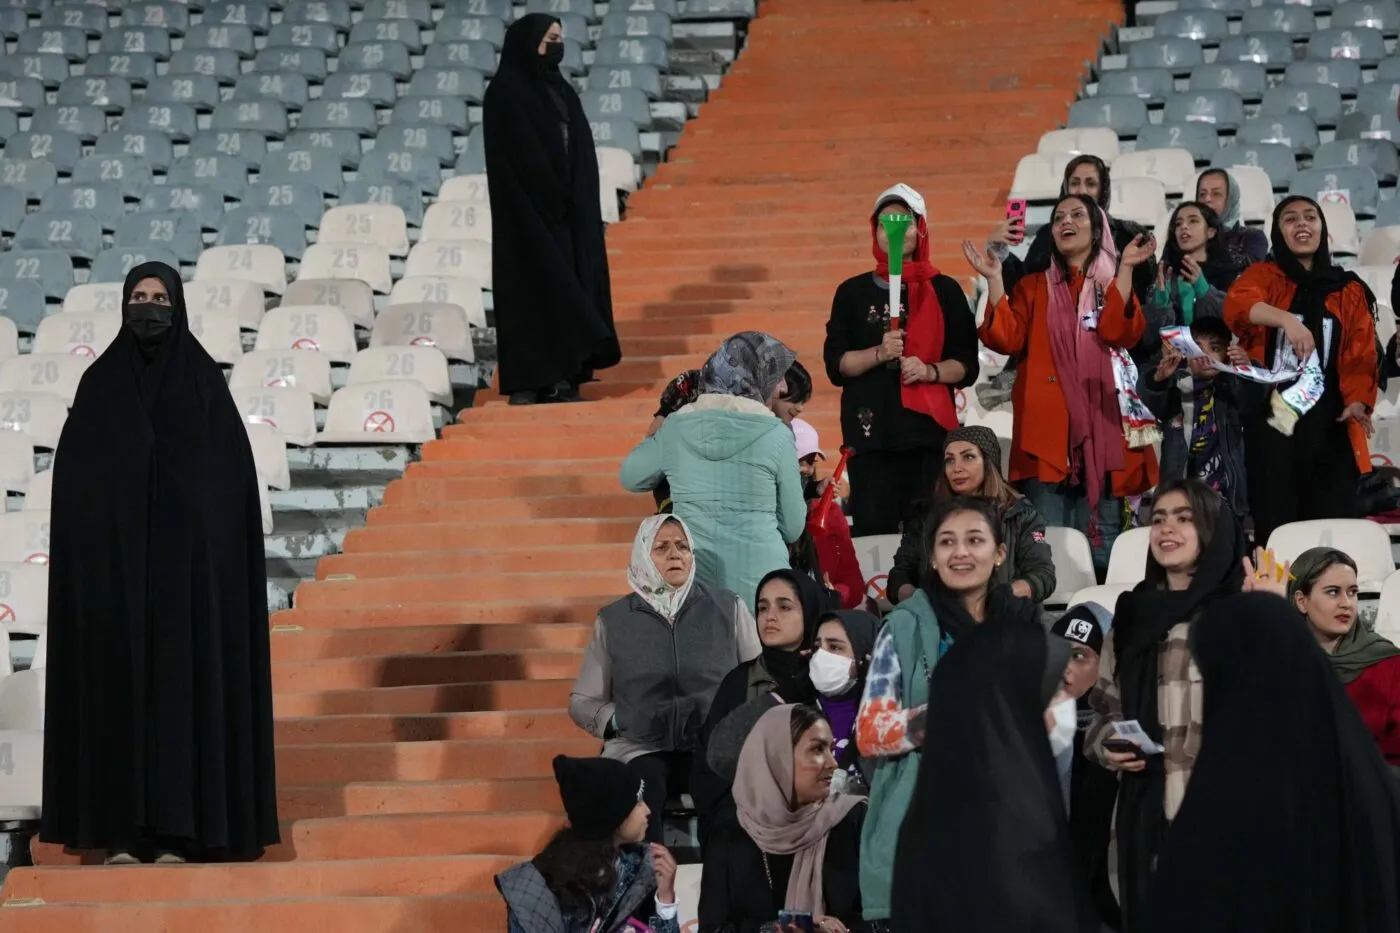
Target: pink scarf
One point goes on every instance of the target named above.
(1084, 365)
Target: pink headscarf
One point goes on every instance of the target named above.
(1085, 367)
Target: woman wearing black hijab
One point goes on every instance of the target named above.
(985, 847)
(158, 730)
(1305, 453)
(549, 265)
(1292, 820)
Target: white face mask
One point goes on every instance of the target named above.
(1066, 716)
(830, 673)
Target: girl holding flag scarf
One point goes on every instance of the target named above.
(1298, 311)
(897, 372)
(1083, 438)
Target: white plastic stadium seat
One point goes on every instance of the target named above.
(443, 326)
(103, 297)
(309, 370)
(1381, 248)
(469, 258)
(353, 297)
(54, 373)
(368, 224)
(39, 495)
(218, 333)
(1367, 543)
(394, 411)
(1105, 595)
(472, 188)
(16, 462)
(241, 299)
(1174, 168)
(9, 338)
(1388, 613)
(265, 506)
(308, 327)
(608, 207)
(1139, 199)
(37, 415)
(81, 333)
(875, 553)
(22, 742)
(1127, 562)
(1256, 193)
(1074, 563)
(1385, 443)
(1092, 140)
(457, 220)
(368, 264)
(424, 365)
(289, 410)
(269, 454)
(456, 290)
(24, 537)
(24, 598)
(1341, 228)
(616, 169)
(1039, 175)
(259, 263)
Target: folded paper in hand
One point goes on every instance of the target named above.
(1132, 731)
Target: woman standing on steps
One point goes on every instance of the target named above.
(549, 263)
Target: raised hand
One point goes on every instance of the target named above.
(983, 261)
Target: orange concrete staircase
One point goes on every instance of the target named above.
(421, 681)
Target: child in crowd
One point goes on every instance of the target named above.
(830, 531)
(1202, 412)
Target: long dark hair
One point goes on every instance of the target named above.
(1096, 231)
(994, 485)
(1100, 166)
(1205, 505)
(578, 871)
(799, 384)
(1216, 251)
(803, 556)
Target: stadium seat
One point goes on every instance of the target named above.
(84, 121)
(443, 326)
(223, 65)
(1074, 564)
(103, 298)
(324, 328)
(1274, 159)
(317, 167)
(68, 42)
(289, 410)
(1369, 126)
(371, 224)
(474, 188)
(79, 333)
(175, 231)
(344, 143)
(1360, 44)
(449, 112)
(473, 158)
(51, 270)
(218, 333)
(137, 40)
(1322, 103)
(454, 29)
(1388, 612)
(1127, 562)
(1105, 595)
(463, 292)
(136, 69)
(1140, 199)
(37, 415)
(308, 63)
(304, 200)
(382, 57)
(1295, 18)
(1340, 73)
(198, 91)
(329, 260)
(24, 537)
(47, 68)
(228, 175)
(260, 263)
(465, 83)
(255, 15)
(1366, 542)
(268, 117)
(13, 205)
(243, 300)
(32, 177)
(357, 115)
(1274, 50)
(1256, 193)
(351, 296)
(24, 591)
(377, 87)
(644, 78)
(392, 411)
(1378, 97)
(1176, 54)
(1174, 168)
(308, 370)
(128, 175)
(1341, 228)
(54, 372)
(90, 20)
(1247, 79)
(424, 365)
(630, 51)
(39, 495)
(1222, 109)
(1389, 214)
(178, 120)
(469, 258)
(321, 36)
(1381, 247)
(61, 148)
(22, 95)
(16, 460)
(1375, 154)
(621, 134)
(618, 169)
(111, 95)
(1038, 176)
(389, 164)
(173, 17)
(9, 334)
(112, 265)
(269, 455)
(430, 140)
(1353, 185)
(280, 228)
(156, 150)
(401, 31)
(1296, 131)
(471, 220)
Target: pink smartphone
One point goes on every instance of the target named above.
(1016, 210)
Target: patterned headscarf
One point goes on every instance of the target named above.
(749, 364)
(646, 580)
(1230, 217)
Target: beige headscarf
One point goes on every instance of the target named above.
(646, 580)
(763, 795)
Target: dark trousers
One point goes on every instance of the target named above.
(663, 774)
(885, 482)
(1294, 479)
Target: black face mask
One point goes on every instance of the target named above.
(148, 321)
(553, 53)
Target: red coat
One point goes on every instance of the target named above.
(837, 553)
(1376, 694)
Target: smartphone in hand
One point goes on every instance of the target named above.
(1123, 746)
(1016, 210)
(800, 920)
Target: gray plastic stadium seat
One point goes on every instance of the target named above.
(156, 149)
(392, 57)
(318, 167)
(1376, 154)
(1340, 73)
(90, 19)
(377, 87)
(1377, 14)
(631, 51)
(321, 36)
(1357, 181)
(173, 16)
(12, 22)
(309, 63)
(1176, 54)
(49, 68)
(1272, 49)
(619, 134)
(219, 37)
(103, 202)
(357, 115)
(1202, 25)
(432, 141)
(462, 53)
(223, 65)
(1294, 130)
(248, 145)
(112, 95)
(136, 69)
(415, 11)
(251, 13)
(631, 106)
(1363, 45)
(1388, 69)
(22, 95)
(500, 9)
(465, 83)
(199, 91)
(449, 112)
(1247, 79)
(623, 77)
(1322, 102)
(13, 205)
(402, 31)
(1125, 115)
(225, 174)
(670, 7)
(1378, 97)
(74, 232)
(176, 231)
(22, 302)
(1275, 159)
(9, 122)
(404, 194)
(143, 40)
(1293, 18)
(178, 120)
(344, 143)
(281, 228)
(205, 204)
(1387, 216)
(31, 176)
(87, 123)
(582, 8)
(62, 149)
(573, 27)
(113, 264)
(330, 12)
(1369, 126)
(51, 270)
(472, 161)
(268, 117)
(1151, 84)
(387, 164)
(129, 175)
(71, 43)
(304, 200)
(290, 88)
(454, 29)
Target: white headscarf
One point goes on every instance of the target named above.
(646, 580)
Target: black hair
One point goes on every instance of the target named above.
(984, 507)
(1096, 231)
(804, 717)
(1105, 183)
(578, 871)
(1216, 250)
(1211, 327)
(1206, 505)
(803, 556)
(799, 384)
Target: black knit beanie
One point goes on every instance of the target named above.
(598, 794)
(984, 439)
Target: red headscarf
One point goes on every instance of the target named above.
(923, 324)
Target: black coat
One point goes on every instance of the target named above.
(549, 264)
(159, 716)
